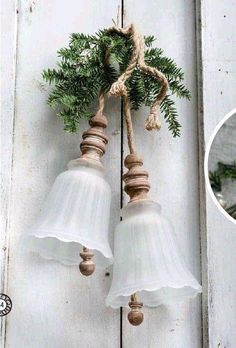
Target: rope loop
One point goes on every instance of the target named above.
(119, 89)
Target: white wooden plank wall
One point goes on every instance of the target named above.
(53, 305)
(219, 98)
(8, 61)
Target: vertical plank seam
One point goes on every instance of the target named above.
(8, 221)
(121, 172)
(202, 189)
(121, 204)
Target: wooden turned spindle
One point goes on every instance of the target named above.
(137, 187)
(135, 316)
(94, 141)
(87, 266)
(92, 148)
(136, 179)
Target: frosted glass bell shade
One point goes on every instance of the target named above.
(75, 214)
(147, 261)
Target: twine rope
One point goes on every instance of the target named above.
(118, 88)
(101, 102)
(129, 125)
(102, 94)
(152, 121)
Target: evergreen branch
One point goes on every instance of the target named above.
(215, 181)
(224, 171)
(148, 40)
(179, 89)
(171, 115)
(81, 72)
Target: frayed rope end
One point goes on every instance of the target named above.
(152, 122)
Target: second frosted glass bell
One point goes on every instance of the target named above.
(147, 263)
(75, 218)
(146, 259)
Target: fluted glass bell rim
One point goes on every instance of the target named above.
(147, 260)
(143, 291)
(52, 239)
(105, 256)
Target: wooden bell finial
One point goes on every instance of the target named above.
(94, 141)
(87, 266)
(135, 316)
(136, 179)
(92, 148)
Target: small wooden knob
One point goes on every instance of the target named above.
(87, 266)
(135, 316)
(132, 160)
(98, 120)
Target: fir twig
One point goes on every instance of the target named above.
(81, 72)
(224, 171)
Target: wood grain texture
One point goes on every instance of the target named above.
(202, 183)
(53, 305)
(173, 168)
(8, 64)
(219, 95)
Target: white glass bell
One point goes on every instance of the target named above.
(147, 264)
(146, 259)
(76, 212)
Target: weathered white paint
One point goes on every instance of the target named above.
(219, 96)
(173, 167)
(8, 63)
(53, 306)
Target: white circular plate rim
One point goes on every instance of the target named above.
(207, 152)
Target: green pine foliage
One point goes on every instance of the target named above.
(81, 73)
(224, 171)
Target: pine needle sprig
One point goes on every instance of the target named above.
(171, 116)
(82, 72)
(223, 172)
(215, 181)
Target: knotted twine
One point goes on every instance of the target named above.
(118, 88)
